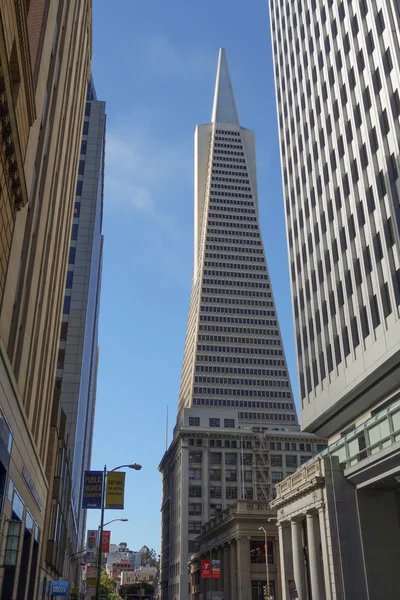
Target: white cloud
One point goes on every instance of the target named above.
(161, 56)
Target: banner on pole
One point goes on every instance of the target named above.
(91, 540)
(115, 490)
(92, 489)
(215, 569)
(205, 569)
(105, 542)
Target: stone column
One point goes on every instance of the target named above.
(298, 559)
(233, 571)
(325, 559)
(317, 587)
(225, 572)
(243, 567)
(285, 556)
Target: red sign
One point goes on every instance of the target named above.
(205, 569)
(105, 542)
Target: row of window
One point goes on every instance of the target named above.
(240, 360)
(267, 417)
(214, 202)
(237, 381)
(248, 242)
(240, 371)
(232, 300)
(239, 302)
(233, 392)
(235, 349)
(245, 267)
(239, 311)
(235, 340)
(239, 320)
(229, 249)
(241, 403)
(229, 283)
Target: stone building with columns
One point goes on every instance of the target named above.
(233, 537)
(338, 516)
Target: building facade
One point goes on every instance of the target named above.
(45, 51)
(235, 382)
(234, 538)
(75, 384)
(337, 84)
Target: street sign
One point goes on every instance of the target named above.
(59, 588)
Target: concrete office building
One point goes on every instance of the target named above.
(337, 76)
(234, 376)
(45, 51)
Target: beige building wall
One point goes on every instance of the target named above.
(45, 56)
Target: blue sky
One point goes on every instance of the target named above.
(154, 62)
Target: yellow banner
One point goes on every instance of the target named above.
(115, 490)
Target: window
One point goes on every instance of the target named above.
(79, 187)
(194, 527)
(291, 461)
(247, 459)
(231, 493)
(83, 147)
(72, 254)
(276, 460)
(214, 422)
(195, 457)
(74, 233)
(194, 510)
(230, 475)
(67, 305)
(215, 492)
(215, 474)
(230, 458)
(86, 128)
(248, 476)
(194, 421)
(229, 423)
(195, 474)
(215, 509)
(70, 277)
(257, 552)
(194, 491)
(277, 476)
(215, 458)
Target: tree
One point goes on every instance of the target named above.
(74, 592)
(149, 557)
(107, 587)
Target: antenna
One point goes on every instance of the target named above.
(166, 431)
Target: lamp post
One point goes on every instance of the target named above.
(268, 596)
(135, 467)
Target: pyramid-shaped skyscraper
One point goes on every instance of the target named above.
(234, 356)
(235, 402)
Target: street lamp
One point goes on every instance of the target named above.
(113, 521)
(267, 597)
(133, 466)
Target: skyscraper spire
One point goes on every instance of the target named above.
(224, 106)
(234, 355)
